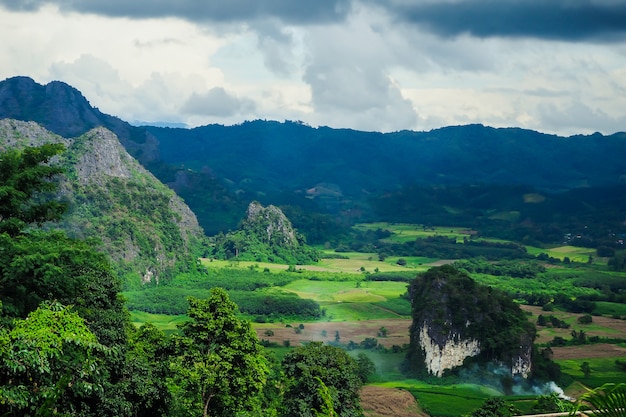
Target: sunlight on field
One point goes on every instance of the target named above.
(356, 264)
(360, 262)
(347, 291)
(356, 312)
(574, 253)
(603, 370)
(404, 232)
(163, 322)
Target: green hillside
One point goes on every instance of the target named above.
(145, 228)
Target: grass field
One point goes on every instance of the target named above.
(445, 400)
(164, 322)
(611, 309)
(574, 253)
(355, 300)
(357, 263)
(603, 370)
(403, 232)
(347, 291)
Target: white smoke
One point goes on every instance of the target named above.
(550, 387)
(541, 389)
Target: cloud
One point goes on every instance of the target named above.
(372, 65)
(288, 11)
(276, 43)
(347, 70)
(566, 20)
(579, 118)
(217, 102)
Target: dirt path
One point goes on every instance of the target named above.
(599, 350)
(389, 402)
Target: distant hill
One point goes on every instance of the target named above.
(265, 235)
(219, 170)
(272, 157)
(144, 226)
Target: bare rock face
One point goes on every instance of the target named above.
(103, 157)
(274, 225)
(449, 355)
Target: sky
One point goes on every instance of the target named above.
(556, 66)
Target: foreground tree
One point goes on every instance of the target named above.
(220, 367)
(495, 407)
(38, 266)
(48, 363)
(318, 376)
(25, 179)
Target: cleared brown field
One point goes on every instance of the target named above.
(600, 350)
(357, 331)
(389, 402)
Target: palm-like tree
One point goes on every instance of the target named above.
(609, 400)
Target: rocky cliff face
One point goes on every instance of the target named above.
(447, 354)
(274, 226)
(455, 320)
(143, 225)
(265, 235)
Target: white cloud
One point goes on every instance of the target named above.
(361, 67)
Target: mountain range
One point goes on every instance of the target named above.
(347, 174)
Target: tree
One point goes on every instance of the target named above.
(495, 407)
(37, 266)
(585, 368)
(608, 400)
(47, 362)
(334, 368)
(541, 320)
(48, 265)
(145, 372)
(25, 177)
(366, 367)
(220, 365)
(327, 408)
(551, 403)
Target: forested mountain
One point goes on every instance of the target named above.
(506, 179)
(144, 226)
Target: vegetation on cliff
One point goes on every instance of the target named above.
(146, 229)
(266, 235)
(452, 306)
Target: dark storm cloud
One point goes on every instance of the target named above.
(289, 11)
(566, 20)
